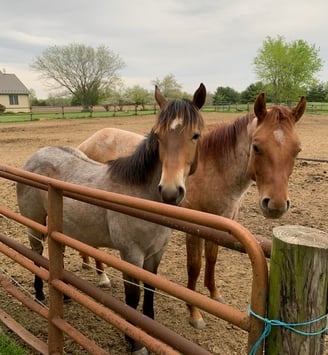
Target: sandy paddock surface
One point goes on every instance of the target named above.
(308, 192)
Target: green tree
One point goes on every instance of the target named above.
(170, 88)
(250, 94)
(138, 96)
(225, 94)
(85, 72)
(287, 68)
(317, 93)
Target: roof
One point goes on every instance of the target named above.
(10, 84)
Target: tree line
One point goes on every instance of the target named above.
(89, 77)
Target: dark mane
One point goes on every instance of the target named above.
(223, 139)
(140, 165)
(182, 108)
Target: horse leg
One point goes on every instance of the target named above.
(103, 278)
(85, 261)
(36, 244)
(211, 252)
(194, 247)
(132, 297)
(151, 264)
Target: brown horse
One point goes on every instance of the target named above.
(259, 147)
(157, 170)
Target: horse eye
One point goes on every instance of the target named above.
(195, 136)
(256, 149)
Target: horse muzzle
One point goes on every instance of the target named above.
(172, 195)
(274, 209)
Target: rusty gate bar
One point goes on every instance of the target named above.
(36, 343)
(23, 333)
(115, 320)
(225, 239)
(222, 238)
(221, 310)
(128, 313)
(79, 338)
(224, 311)
(56, 266)
(259, 266)
(230, 315)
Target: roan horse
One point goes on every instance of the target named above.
(157, 170)
(260, 147)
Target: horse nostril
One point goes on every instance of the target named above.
(288, 205)
(265, 203)
(172, 195)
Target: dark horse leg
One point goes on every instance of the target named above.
(36, 239)
(132, 297)
(37, 245)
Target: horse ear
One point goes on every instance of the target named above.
(299, 109)
(160, 99)
(200, 96)
(260, 107)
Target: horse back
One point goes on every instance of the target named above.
(109, 144)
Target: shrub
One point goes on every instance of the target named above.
(2, 108)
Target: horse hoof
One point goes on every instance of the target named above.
(104, 281)
(220, 299)
(197, 323)
(40, 297)
(104, 284)
(141, 351)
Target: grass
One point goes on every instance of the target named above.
(9, 347)
(312, 107)
(24, 117)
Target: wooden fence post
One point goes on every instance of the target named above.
(297, 289)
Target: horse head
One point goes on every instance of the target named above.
(274, 148)
(178, 129)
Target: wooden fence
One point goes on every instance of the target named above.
(34, 112)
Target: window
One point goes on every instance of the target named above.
(13, 99)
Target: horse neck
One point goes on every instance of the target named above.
(222, 168)
(141, 170)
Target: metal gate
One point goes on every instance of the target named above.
(153, 335)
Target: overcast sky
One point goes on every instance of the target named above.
(209, 41)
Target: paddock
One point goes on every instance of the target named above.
(308, 192)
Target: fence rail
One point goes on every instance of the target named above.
(35, 112)
(172, 216)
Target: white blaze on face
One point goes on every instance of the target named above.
(175, 123)
(279, 136)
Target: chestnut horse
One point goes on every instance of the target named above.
(157, 170)
(260, 147)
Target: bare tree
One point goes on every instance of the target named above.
(170, 88)
(85, 72)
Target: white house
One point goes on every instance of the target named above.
(13, 93)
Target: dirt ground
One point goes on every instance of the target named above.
(308, 192)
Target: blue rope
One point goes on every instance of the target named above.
(274, 322)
